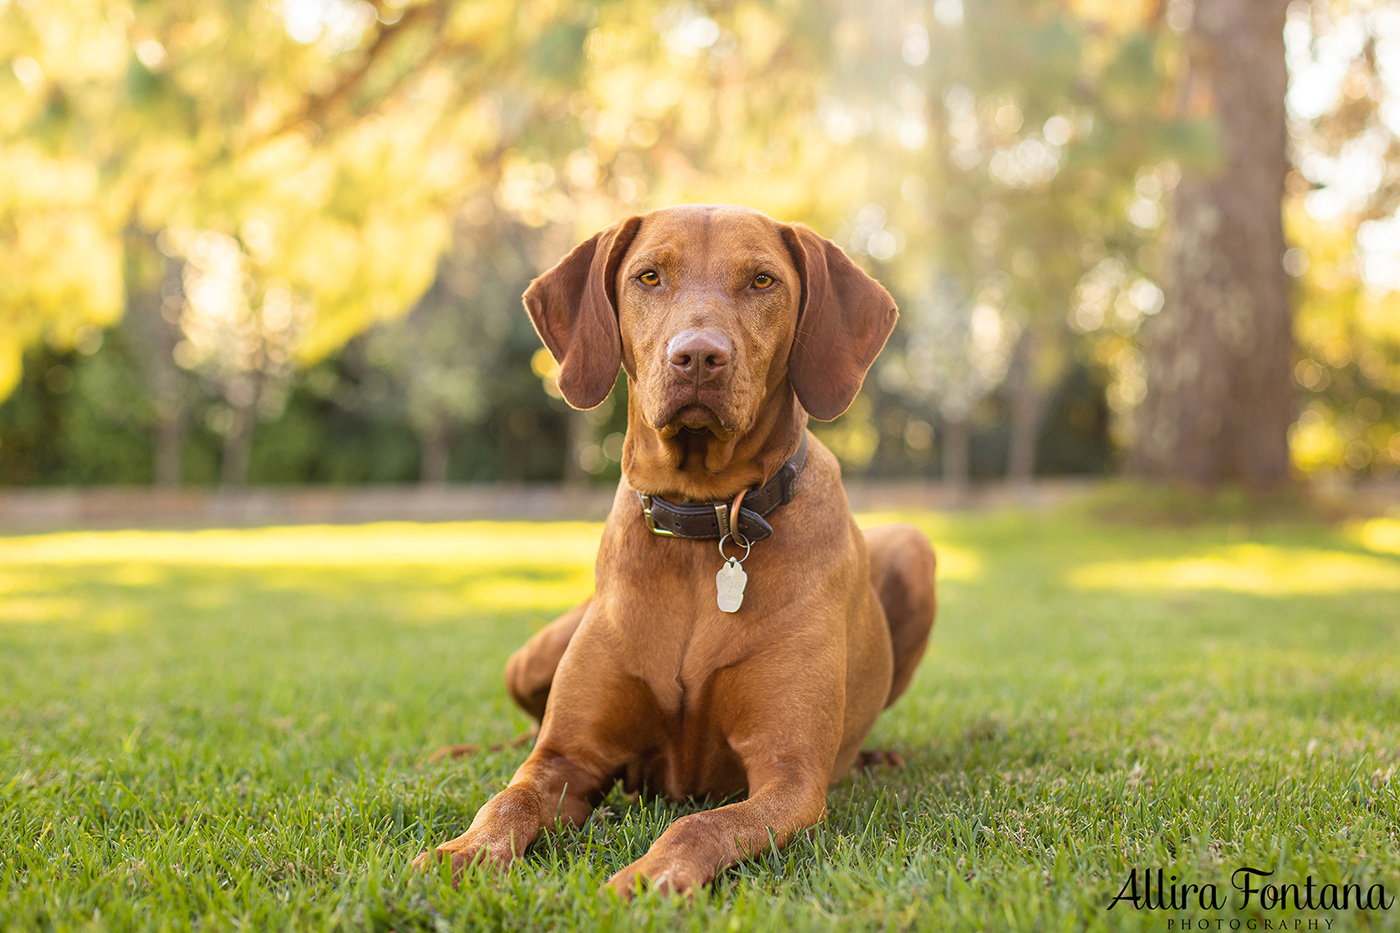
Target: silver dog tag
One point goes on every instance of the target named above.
(729, 584)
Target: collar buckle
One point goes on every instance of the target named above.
(651, 521)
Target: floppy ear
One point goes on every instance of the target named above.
(574, 309)
(845, 319)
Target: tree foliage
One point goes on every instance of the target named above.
(321, 212)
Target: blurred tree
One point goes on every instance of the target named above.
(79, 415)
(957, 355)
(428, 356)
(1344, 108)
(1348, 361)
(1015, 149)
(261, 185)
(324, 139)
(1219, 356)
(59, 268)
(155, 299)
(244, 349)
(440, 357)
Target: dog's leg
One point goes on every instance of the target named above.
(786, 731)
(548, 789)
(788, 796)
(596, 720)
(902, 565)
(530, 670)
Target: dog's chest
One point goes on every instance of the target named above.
(690, 755)
(687, 673)
(660, 602)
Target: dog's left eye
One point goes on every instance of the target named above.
(763, 280)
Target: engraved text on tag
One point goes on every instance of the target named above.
(729, 585)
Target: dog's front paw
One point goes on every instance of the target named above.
(464, 852)
(661, 874)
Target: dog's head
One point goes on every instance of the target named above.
(711, 310)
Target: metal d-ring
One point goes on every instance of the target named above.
(748, 546)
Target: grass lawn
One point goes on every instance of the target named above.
(229, 729)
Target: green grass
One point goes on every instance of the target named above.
(229, 730)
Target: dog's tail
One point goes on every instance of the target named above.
(459, 751)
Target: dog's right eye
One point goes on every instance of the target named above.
(649, 277)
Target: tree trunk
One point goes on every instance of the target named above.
(1218, 356)
(436, 454)
(170, 447)
(954, 453)
(238, 445)
(153, 302)
(1033, 380)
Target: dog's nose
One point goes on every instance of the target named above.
(699, 354)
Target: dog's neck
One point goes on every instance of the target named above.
(704, 467)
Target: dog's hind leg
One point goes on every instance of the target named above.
(530, 670)
(902, 565)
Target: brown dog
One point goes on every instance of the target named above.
(732, 328)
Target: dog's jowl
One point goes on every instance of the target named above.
(744, 633)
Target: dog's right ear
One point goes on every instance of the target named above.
(574, 309)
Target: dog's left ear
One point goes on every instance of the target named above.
(574, 309)
(844, 321)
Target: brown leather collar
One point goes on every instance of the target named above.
(709, 520)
